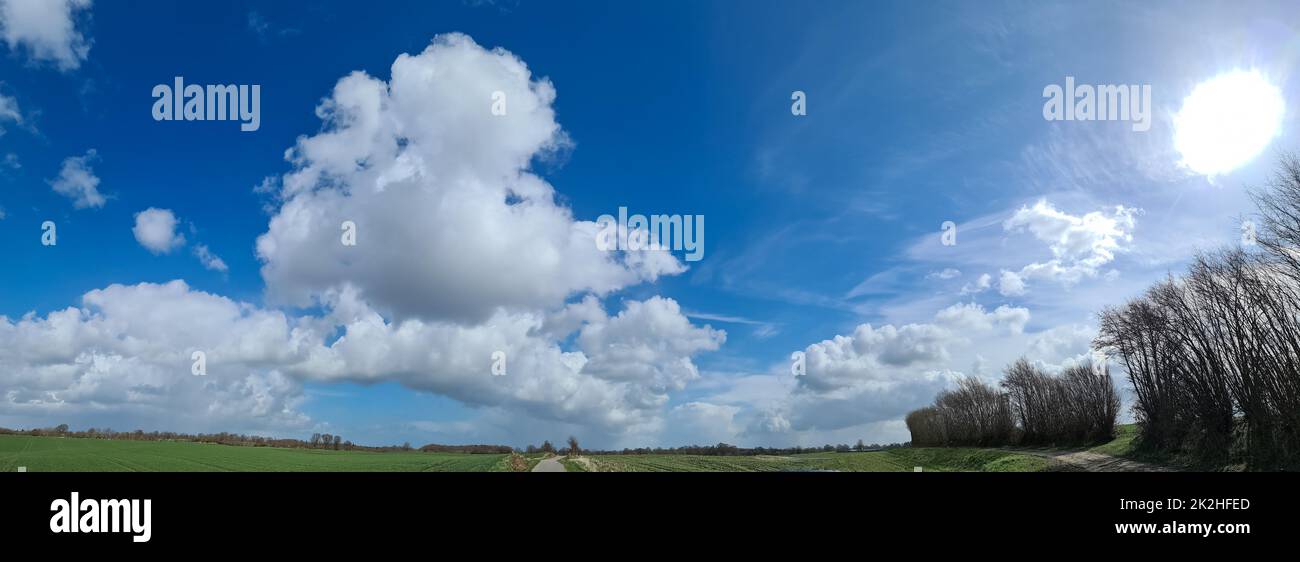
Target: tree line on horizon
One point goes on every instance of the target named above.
(317, 441)
(719, 450)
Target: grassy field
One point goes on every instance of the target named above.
(55, 454)
(893, 460)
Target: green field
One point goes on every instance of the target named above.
(892, 460)
(57, 454)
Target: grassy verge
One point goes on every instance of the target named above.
(1125, 445)
(1122, 445)
(533, 458)
(960, 459)
(571, 465)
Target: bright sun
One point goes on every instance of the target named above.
(1226, 121)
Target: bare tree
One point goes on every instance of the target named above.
(927, 427)
(1214, 355)
(1078, 406)
(574, 449)
(1278, 208)
(972, 414)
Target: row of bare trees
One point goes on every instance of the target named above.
(1079, 405)
(973, 414)
(1031, 407)
(1214, 354)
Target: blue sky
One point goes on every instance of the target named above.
(822, 230)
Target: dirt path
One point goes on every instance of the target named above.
(1089, 461)
(549, 465)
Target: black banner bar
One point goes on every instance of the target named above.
(228, 510)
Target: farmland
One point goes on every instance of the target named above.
(891, 460)
(60, 454)
(56, 454)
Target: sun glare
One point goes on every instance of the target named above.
(1226, 121)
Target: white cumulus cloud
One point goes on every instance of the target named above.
(77, 181)
(462, 254)
(1010, 284)
(127, 351)
(618, 378)
(126, 354)
(155, 229)
(879, 373)
(450, 222)
(1081, 245)
(46, 30)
